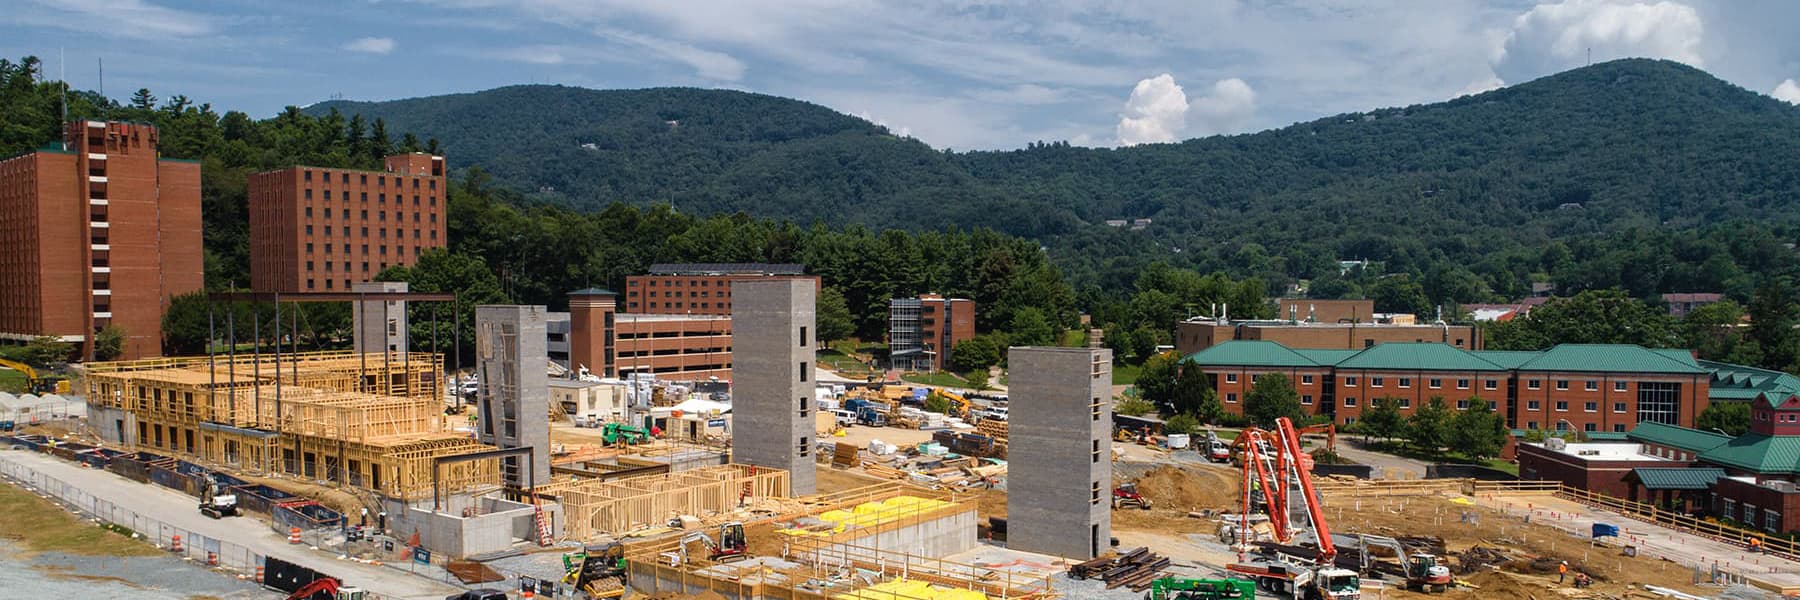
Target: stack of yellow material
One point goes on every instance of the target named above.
(870, 514)
(905, 589)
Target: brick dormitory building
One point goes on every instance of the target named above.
(1750, 479)
(316, 229)
(1596, 388)
(97, 230)
(697, 289)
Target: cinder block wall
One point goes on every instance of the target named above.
(1059, 468)
(513, 406)
(772, 387)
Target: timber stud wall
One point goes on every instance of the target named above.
(370, 421)
(595, 507)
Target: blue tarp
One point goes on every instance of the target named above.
(1605, 530)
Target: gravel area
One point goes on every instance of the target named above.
(57, 575)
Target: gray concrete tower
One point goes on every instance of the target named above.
(513, 405)
(379, 326)
(772, 339)
(1059, 451)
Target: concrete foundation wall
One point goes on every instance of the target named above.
(936, 537)
(498, 524)
(115, 425)
(1059, 472)
(773, 337)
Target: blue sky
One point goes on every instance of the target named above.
(964, 75)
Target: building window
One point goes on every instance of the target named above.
(1562, 425)
(1406, 403)
(1491, 384)
(309, 230)
(309, 212)
(1306, 399)
(308, 175)
(1462, 384)
(1349, 401)
(1562, 406)
(1619, 386)
(1306, 380)
(1231, 398)
(1094, 456)
(1618, 428)
(1094, 491)
(1591, 406)
(309, 248)
(1591, 385)
(1531, 425)
(1375, 381)
(803, 373)
(1532, 384)
(1229, 377)
(1749, 514)
(1532, 405)
(1619, 407)
(1590, 427)
(1434, 383)
(1405, 382)
(309, 284)
(1562, 384)
(1462, 404)
(1350, 382)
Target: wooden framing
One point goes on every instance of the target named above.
(366, 420)
(593, 507)
(823, 573)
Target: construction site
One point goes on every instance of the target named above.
(650, 489)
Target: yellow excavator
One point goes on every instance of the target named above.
(35, 383)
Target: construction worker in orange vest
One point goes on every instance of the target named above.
(1756, 543)
(1562, 571)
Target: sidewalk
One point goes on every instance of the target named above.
(1682, 548)
(102, 492)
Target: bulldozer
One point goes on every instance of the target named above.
(597, 570)
(1127, 495)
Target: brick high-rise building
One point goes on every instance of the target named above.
(321, 230)
(614, 344)
(97, 231)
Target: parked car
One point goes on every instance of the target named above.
(481, 594)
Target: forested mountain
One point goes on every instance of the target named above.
(1481, 188)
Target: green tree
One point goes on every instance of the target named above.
(1383, 419)
(1194, 395)
(438, 270)
(978, 379)
(143, 100)
(834, 316)
(937, 403)
(1134, 407)
(184, 325)
(1477, 432)
(1180, 424)
(1401, 294)
(1029, 327)
(1156, 382)
(45, 350)
(1714, 331)
(1429, 426)
(1591, 317)
(109, 342)
(1772, 320)
(975, 354)
(1731, 417)
(1271, 397)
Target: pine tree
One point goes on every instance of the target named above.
(143, 100)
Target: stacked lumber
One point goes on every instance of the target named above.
(883, 471)
(845, 455)
(1134, 569)
(993, 428)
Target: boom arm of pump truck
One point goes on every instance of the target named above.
(1327, 551)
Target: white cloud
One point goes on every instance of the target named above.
(121, 18)
(1155, 113)
(1485, 84)
(1226, 110)
(709, 64)
(1788, 91)
(371, 45)
(1554, 37)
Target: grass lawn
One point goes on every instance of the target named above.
(1452, 457)
(1074, 338)
(939, 378)
(12, 381)
(44, 527)
(840, 362)
(1126, 374)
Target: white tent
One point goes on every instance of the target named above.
(34, 409)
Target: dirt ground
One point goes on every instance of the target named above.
(832, 480)
(1176, 491)
(1612, 571)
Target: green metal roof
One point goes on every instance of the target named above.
(1692, 440)
(1326, 357)
(1613, 358)
(1742, 383)
(1605, 436)
(1670, 478)
(1250, 353)
(1758, 453)
(1417, 356)
(1510, 359)
(593, 291)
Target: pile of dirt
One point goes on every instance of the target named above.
(1185, 490)
(1494, 584)
(760, 539)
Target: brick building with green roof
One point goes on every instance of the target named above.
(1589, 387)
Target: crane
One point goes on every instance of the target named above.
(1273, 464)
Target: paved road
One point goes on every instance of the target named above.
(177, 509)
(1387, 466)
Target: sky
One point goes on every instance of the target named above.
(986, 74)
